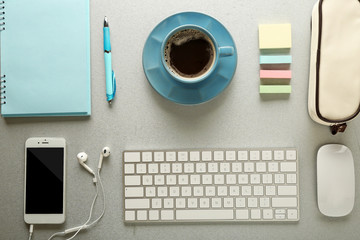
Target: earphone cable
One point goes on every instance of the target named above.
(31, 230)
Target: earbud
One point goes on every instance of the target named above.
(104, 153)
(82, 157)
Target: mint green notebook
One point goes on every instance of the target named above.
(45, 58)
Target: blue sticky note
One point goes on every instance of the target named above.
(275, 59)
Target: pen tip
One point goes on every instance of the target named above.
(106, 24)
(110, 102)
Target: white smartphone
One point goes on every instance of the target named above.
(44, 192)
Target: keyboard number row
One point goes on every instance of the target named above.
(182, 156)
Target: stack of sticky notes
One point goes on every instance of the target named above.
(275, 58)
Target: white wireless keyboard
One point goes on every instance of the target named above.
(211, 185)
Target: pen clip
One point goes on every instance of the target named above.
(113, 83)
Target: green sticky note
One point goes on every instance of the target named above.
(275, 89)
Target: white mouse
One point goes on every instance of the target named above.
(335, 180)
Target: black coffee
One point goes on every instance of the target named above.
(189, 53)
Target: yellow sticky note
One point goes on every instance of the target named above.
(274, 36)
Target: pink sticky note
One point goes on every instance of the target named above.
(275, 74)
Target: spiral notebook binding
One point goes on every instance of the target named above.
(2, 16)
(2, 90)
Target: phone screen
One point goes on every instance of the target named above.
(44, 180)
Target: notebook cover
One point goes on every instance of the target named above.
(45, 55)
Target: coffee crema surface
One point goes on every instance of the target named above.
(189, 53)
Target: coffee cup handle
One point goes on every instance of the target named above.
(226, 51)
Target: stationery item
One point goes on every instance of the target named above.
(274, 36)
(275, 59)
(45, 58)
(275, 89)
(334, 79)
(109, 73)
(211, 185)
(275, 74)
(176, 79)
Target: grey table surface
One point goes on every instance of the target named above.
(140, 118)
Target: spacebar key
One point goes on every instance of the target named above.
(204, 214)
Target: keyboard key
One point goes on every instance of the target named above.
(154, 215)
(182, 156)
(210, 191)
(243, 179)
(224, 167)
(267, 178)
(291, 178)
(153, 168)
(204, 214)
(134, 192)
(194, 156)
(240, 202)
(287, 190)
(146, 156)
(195, 179)
(236, 167)
(159, 180)
(255, 178)
(170, 156)
(131, 203)
(186, 191)
(228, 202)
(183, 179)
(270, 190)
(268, 214)
(167, 215)
(207, 179)
(168, 203)
(204, 202)
(131, 157)
(177, 168)
(248, 167)
(189, 167)
(291, 155)
(252, 202)
(266, 155)
(254, 155)
(156, 203)
(171, 179)
(279, 155)
(292, 214)
(242, 155)
(206, 156)
(192, 203)
(213, 167)
(234, 191)
(242, 214)
(222, 191)
(255, 213)
(198, 191)
(218, 155)
(288, 166)
(174, 191)
(279, 178)
(129, 215)
(164, 168)
(158, 156)
(147, 180)
(284, 202)
(150, 191)
(142, 215)
(258, 190)
(140, 168)
(273, 167)
(129, 168)
(264, 202)
(162, 192)
(219, 179)
(261, 167)
(132, 180)
(180, 203)
(246, 190)
(230, 156)
(200, 167)
(216, 202)
(231, 179)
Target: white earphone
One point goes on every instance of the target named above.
(82, 158)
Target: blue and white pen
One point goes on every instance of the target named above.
(109, 73)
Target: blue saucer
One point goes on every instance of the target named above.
(165, 84)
